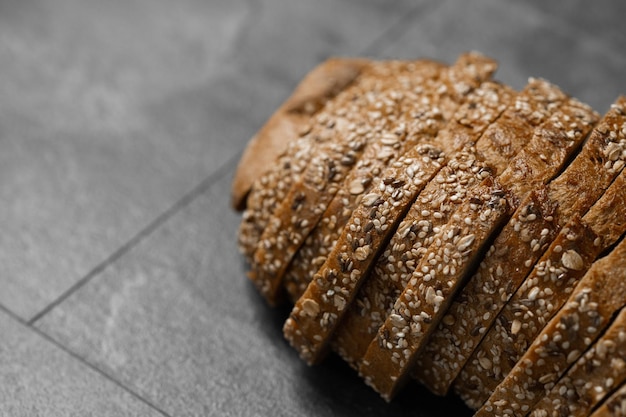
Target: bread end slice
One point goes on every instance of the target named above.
(323, 83)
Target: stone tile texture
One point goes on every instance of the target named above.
(528, 41)
(40, 379)
(176, 321)
(112, 111)
(120, 124)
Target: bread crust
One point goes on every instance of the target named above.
(429, 212)
(274, 183)
(550, 149)
(431, 110)
(320, 85)
(391, 355)
(378, 294)
(532, 107)
(376, 297)
(311, 255)
(375, 110)
(596, 298)
(305, 332)
(316, 314)
(541, 294)
(501, 271)
(599, 371)
(339, 188)
(574, 191)
(473, 310)
(535, 169)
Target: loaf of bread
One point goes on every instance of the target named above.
(426, 221)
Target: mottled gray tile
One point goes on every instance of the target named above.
(105, 121)
(174, 319)
(299, 34)
(177, 321)
(111, 111)
(525, 41)
(600, 19)
(40, 379)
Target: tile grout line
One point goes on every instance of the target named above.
(374, 47)
(140, 236)
(398, 29)
(78, 358)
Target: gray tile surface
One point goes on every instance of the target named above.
(40, 379)
(176, 321)
(117, 109)
(527, 42)
(120, 123)
(600, 19)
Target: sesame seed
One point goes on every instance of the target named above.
(572, 260)
(465, 242)
(485, 363)
(310, 307)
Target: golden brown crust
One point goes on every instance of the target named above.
(322, 130)
(358, 182)
(596, 298)
(446, 191)
(533, 105)
(603, 156)
(575, 190)
(375, 108)
(327, 174)
(550, 148)
(537, 170)
(393, 269)
(311, 335)
(506, 263)
(273, 185)
(322, 84)
(541, 294)
(399, 259)
(592, 378)
(317, 313)
(469, 317)
(391, 355)
(432, 104)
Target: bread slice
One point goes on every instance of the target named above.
(291, 134)
(432, 103)
(382, 113)
(575, 190)
(322, 84)
(613, 406)
(526, 312)
(598, 372)
(371, 225)
(474, 309)
(538, 100)
(403, 253)
(416, 232)
(325, 129)
(448, 276)
(596, 298)
(391, 355)
(528, 231)
(431, 210)
(317, 313)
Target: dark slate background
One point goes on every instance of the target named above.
(122, 292)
